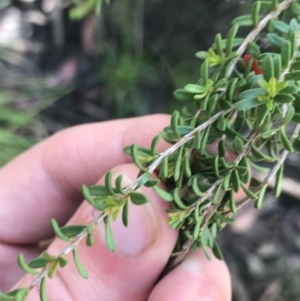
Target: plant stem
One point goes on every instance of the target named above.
(253, 34)
(268, 179)
(68, 249)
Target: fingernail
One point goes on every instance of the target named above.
(192, 264)
(142, 226)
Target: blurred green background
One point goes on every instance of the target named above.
(66, 62)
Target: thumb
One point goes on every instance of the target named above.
(129, 273)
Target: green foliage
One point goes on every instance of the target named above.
(234, 106)
(81, 8)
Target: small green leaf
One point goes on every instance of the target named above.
(267, 134)
(218, 44)
(221, 148)
(174, 123)
(52, 269)
(108, 179)
(38, 262)
(80, 268)
(295, 8)
(247, 103)
(183, 95)
(259, 154)
(204, 72)
(231, 88)
(164, 168)
(261, 117)
(166, 196)
(138, 198)
(268, 67)
(196, 188)
(25, 267)
(285, 140)
(178, 163)
(196, 231)
(89, 238)
(177, 199)
(221, 124)
(275, 40)
(58, 232)
(274, 4)
(19, 294)
(261, 195)
(232, 203)
(278, 68)
(216, 166)
(136, 160)
(243, 21)
(226, 181)
(255, 12)
(252, 93)
(88, 196)
(280, 26)
(217, 251)
(290, 89)
(236, 183)
(294, 26)
(195, 89)
(187, 165)
(284, 98)
(97, 190)
(125, 214)
(249, 193)
(278, 182)
(118, 183)
(288, 116)
(154, 144)
(152, 183)
(108, 235)
(230, 38)
(223, 218)
(293, 36)
(144, 178)
(43, 293)
(72, 230)
(202, 55)
(286, 54)
(62, 261)
(217, 195)
(238, 144)
(197, 140)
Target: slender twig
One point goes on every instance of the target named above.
(153, 166)
(68, 249)
(259, 27)
(269, 178)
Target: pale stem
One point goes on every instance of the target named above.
(68, 249)
(253, 34)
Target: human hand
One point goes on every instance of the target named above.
(45, 182)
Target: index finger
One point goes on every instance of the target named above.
(45, 182)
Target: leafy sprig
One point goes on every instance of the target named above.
(241, 110)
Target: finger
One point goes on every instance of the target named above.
(142, 251)
(45, 181)
(9, 270)
(195, 279)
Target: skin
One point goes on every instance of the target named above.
(45, 182)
